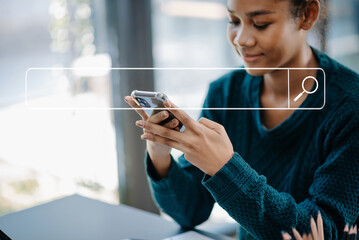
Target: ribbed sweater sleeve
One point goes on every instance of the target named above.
(264, 212)
(181, 195)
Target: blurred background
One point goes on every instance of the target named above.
(76, 143)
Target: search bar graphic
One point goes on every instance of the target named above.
(90, 88)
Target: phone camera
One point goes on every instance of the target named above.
(143, 102)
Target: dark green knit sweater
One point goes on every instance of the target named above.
(280, 177)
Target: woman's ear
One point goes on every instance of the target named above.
(310, 14)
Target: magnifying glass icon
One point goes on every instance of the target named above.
(304, 90)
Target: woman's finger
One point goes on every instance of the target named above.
(172, 124)
(310, 236)
(305, 236)
(296, 234)
(161, 130)
(183, 117)
(163, 141)
(346, 231)
(210, 124)
(320, 226)
(138, 109)
(313, 227)
(159, 117)
(286, 236)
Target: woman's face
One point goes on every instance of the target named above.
(264, 33)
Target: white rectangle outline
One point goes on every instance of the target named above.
(288, 89)
(128, 108)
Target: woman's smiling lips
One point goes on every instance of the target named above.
(249, 58)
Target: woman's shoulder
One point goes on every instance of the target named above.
(346, 81)
(342, 97)
(339, 118)
(341, 80)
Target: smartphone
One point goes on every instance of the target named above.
(154, 100)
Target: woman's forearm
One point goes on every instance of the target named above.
(161, 164)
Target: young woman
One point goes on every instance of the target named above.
(271, 170)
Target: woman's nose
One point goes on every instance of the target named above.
(244, 38)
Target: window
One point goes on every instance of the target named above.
(343, 32)
(46, 154)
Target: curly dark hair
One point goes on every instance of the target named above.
(298, 9)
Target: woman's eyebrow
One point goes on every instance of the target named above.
(259, 12)
(229, 10)
(254, 13)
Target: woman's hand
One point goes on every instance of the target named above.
(316, 228)
(160, 154)
(204, 143)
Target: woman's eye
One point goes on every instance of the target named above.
(234, 22)
(261, 27)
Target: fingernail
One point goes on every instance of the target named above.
(140, 123)
(125, 100)
(164, 114)
(144, 137)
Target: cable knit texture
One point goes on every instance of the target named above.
(277, 178)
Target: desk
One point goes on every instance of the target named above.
(78, 217)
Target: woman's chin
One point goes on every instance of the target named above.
(256, 71)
